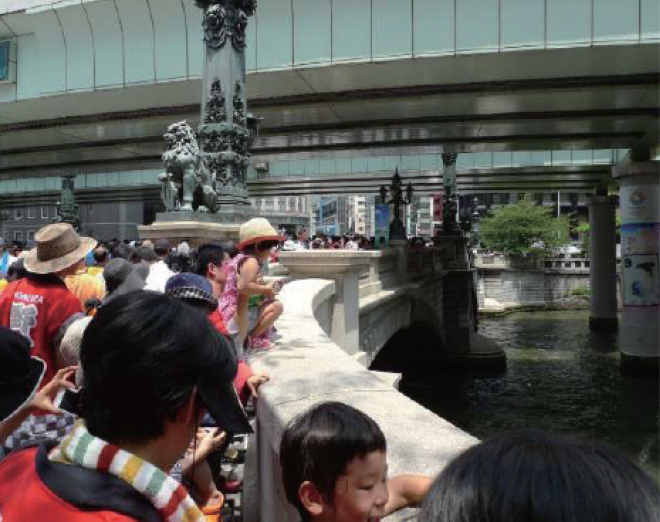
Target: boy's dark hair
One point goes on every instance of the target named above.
(530, 475)
(318, 445)
(208, 253)
(143, 354)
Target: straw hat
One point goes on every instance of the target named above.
(58, 247)
(255, 231)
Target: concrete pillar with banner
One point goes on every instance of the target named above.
(639, 198)
(602, 261)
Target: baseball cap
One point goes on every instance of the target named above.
(218, 394)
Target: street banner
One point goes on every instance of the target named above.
(382, 236)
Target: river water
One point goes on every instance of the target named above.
(559, 377)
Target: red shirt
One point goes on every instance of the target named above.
(40, 308)
(25, 497)
(243, 373)
(216, 320)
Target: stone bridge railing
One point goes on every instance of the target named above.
(558, 264)
(373, 292)
(307, 367)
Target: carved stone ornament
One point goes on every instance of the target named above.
(238, 30)
(249, 6)
(215, 141)
(449, 158)
(226, 20)
(240, 117)
(215, 106)
(214, 25)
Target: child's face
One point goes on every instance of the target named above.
(361, 494)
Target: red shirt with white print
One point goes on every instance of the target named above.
(40, 307)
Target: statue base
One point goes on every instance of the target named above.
(197, 228)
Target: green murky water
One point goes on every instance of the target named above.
(560, 377)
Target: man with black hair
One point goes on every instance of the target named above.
(153, 366)
(211, 262)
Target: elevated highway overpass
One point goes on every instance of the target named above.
(92, 85)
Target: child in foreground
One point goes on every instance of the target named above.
(334, 465)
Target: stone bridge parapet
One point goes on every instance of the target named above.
(307, 367)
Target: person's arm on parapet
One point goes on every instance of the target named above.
(405, 491)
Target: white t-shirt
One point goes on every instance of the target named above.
(158, 276)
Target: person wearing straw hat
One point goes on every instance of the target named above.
(248, 305)
(40, 307)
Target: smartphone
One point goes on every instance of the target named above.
(67, 400)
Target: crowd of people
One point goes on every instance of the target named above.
(125, 383)
(320, 241)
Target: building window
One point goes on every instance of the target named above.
(18, 235)
(18, 214)
(30, 235)
(539, 198)
(7, 236)
(32, 213)
(44, 213)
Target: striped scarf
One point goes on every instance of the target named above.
(170, 498)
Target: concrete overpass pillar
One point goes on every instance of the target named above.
(639, 196)
(602, 261)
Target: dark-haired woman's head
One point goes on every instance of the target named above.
(143, 356)
(329, 443)
(532, 476)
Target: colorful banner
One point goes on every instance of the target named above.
(639, 248)
(382, 236)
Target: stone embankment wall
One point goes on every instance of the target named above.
(307, 367)
(507, 283)
(511, 287)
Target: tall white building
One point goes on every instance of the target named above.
(288, 212)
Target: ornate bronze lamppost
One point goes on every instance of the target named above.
(449, 225)
(397, 229)
(207, 171)
(67, 210)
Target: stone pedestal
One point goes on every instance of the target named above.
(453, 251)
(639, 199)
(602, 260)
(196, 228)
(344, 267)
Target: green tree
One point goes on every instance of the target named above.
(585, 230)
(524, 229)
